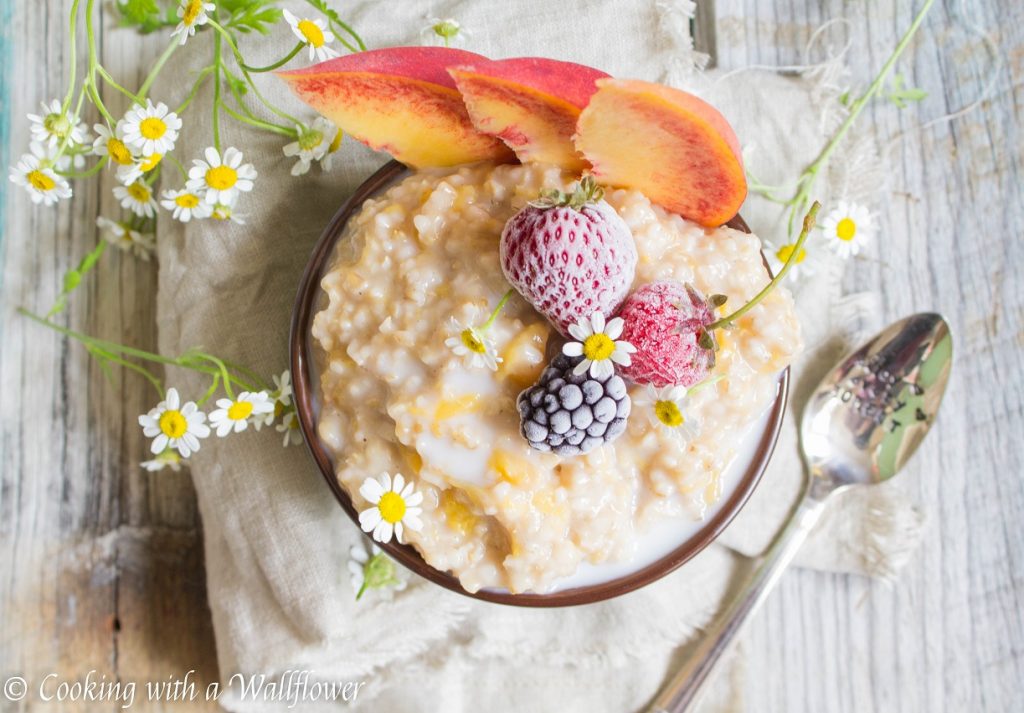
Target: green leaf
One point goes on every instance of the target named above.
(147, 15)
(902, 95)
(251, 15)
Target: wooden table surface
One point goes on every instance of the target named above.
(101, 562)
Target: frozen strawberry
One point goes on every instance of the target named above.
(664, 321)
(569, 255)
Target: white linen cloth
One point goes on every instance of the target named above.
(276, 541)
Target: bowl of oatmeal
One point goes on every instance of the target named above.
(378, 388)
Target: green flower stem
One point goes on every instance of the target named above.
(90, 77)
(497, 310)
(260, 124)
(698, 387)
(193, 360)
(806, 182)
(211, 391)
(105, 75)
(809, 219)
(177, 164)
(72, 31)
(248, 373)
(153, 175)
(202, 76)
(161, 61)
(333, 19)
(224, 375)
(241, 63)
(89, 173)
(216, 91)
(105, 356)
(276, 65)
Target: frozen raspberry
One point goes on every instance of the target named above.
(569, 255)
(665, 321)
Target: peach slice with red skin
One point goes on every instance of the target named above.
(530, 103)
(400, 100)
(676, 149)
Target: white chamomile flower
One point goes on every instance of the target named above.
(596, 343)
(314, 34)
(186, 205)
(395, 506)
(35, 173)
(151, 129)
(220, 179)
(193, 13)
(848, 228)
(289, 426)
(139, 166)
(121, 236)
(668, 408)
(372, 570)
(56, 126)
(138, 198)
(168, 459)
(234, 414)
(111, 143)
(175, 426)
(312, 145)
(475, 344)
(447, 32)
(803, 264)
(222, 211)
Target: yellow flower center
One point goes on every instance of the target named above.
(240, 410)
(786, 251)
(40, 181)
(598, 347)
(846, 229)
(278, 410)
(668, 413)
(140, 192)
(336, 142)
(118, 151)
(221, 178)
(191, 12)
(392, 507)
(473, 342)
(221, 212)
(313, 34)
(152, 127)
(151, 162)
(187, 200)
(173, 424)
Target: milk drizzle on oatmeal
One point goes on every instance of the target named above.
(497, 513)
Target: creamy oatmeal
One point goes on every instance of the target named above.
(496, 512)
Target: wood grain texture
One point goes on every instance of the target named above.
(947, 635)
(101, 562)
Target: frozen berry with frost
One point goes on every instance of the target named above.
(573, 413)
(664, 321)
(569, 254)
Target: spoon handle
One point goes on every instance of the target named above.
(682, 693)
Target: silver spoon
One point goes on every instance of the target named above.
(863, 422)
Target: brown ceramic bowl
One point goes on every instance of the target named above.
(308, 303)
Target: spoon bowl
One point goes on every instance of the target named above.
(868, 416)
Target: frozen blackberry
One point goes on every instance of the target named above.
(572, 414)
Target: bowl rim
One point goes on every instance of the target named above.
(300, 358)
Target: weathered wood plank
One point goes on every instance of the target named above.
(947, 635)
(101, 562)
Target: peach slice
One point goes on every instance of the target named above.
(400, 100)
(670, 145)
(530, 103)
